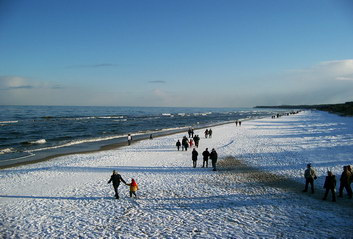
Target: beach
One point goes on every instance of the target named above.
(255, 193)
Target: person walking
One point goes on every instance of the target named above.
(129, 139)
(205, 155)
(189, 132)
(116, 179)
(214, 157)
(194, 155)
(310, 176)
(210, 133)
(133, 187)
(206, 133)
(330, 185)
(185, 143)
(191, 143)
(178, 144)
(196, 140)
(345, 182)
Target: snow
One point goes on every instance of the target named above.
(256, 193)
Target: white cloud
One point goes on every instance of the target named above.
(14, 82)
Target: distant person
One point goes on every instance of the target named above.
(236, 123)
(133, 187)
(206, 133)
(210, 133)
(129, 139)
(185, 143)
(310, 176)
(330, 185)
(205, 155)
(191, 143)
(345, 181)
(189, 132)
(239, 123)
(116, 179)
(196, 140)
(214, 157)
(151, 136)
(194, 155)
(178, 144)
(192, 133)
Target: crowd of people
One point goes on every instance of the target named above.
(330, 182)
(193, 142)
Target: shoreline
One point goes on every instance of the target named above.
(117, 145)
(257, 187)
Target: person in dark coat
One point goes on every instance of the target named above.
(345, 182)
(214, 157)
(205, 155)
(210, 133)
(196, 140)
(116, 179)
(330, 185)
(189, 132)
(206, 133)
(185, 143)
(178, 144)
(194, 155)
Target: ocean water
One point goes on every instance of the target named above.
(34, 132)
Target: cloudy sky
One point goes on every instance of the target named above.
(207, 53)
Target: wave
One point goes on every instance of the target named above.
(8, 122)
(39, 141)
(6, 151)
(110, 117)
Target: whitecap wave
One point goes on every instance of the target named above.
(6, 151)
(9, 122)
(39, 141)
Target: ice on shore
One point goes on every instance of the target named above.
(256, 193)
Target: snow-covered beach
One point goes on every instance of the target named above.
(256, 193)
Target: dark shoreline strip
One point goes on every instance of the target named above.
(232, 167)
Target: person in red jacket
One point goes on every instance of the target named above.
(133, 187)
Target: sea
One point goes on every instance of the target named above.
(32, 133)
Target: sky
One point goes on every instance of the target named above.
(182, 53)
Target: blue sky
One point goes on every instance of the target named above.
(224, 53)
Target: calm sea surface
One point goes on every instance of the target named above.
(34, 132)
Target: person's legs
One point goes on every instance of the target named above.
(326, 192)
(340, 190)
(349, 190)
(311, 181)
(333, 195)
(306, 185)
(116, 191)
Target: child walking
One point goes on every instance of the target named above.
(133, 187)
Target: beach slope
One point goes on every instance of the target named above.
(256, 192)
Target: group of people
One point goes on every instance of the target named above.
(186, 143)
(330, 182)
(206, 155)
(237, 122)
(195, 139)
(116, 179)
(208, 133)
